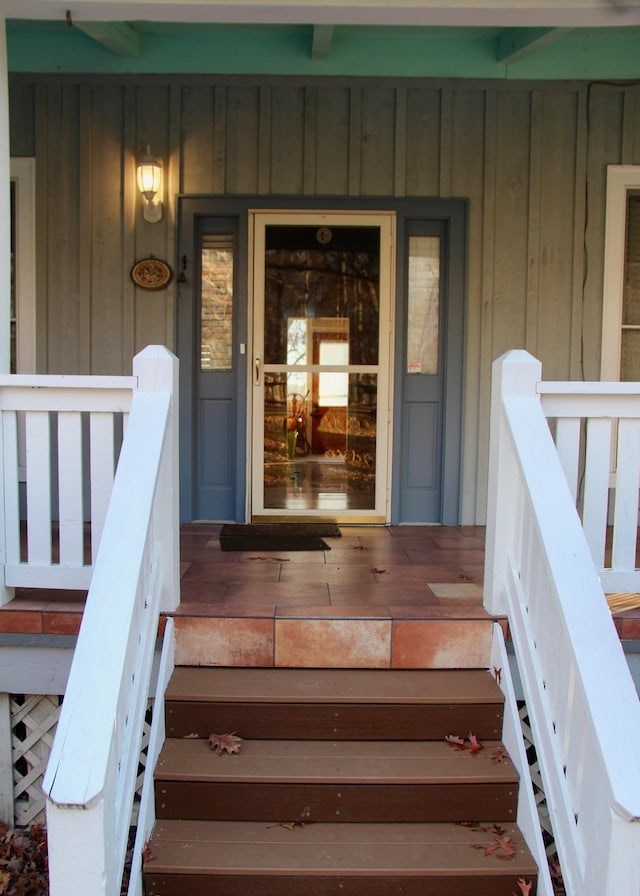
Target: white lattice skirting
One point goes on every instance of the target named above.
(33, 725)
(33, 720)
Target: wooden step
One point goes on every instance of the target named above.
(267, 858)
(333, 704)
(334, 781)
(344, 785)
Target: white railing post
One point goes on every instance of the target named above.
(156, 369)
(514, 373)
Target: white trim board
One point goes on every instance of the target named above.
(621, 179)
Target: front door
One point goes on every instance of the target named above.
(321, 365)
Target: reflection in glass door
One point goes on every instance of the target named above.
(321, 362)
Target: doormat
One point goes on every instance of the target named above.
(277, 536)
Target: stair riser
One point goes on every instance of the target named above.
(241, 885)
(333, 721)
(327, 803)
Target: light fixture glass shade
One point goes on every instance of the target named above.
(149, 176)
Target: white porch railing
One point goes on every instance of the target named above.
(61, 437)
(90, 779)
(583, 707)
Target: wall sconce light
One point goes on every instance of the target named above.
(150, 185)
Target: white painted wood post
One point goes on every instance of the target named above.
(6, 762)
(6, 594)
(514, 373)
(157, 371)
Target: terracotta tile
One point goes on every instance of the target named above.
(61, 623)
(194, 589)
(223, 642)
(64, 606)
(446, 610)
(242, 610)
(413, 572)
(33, 604)
(329, 573)
(278, 592)
(19, 621)
(212, 572)
(344, 611)
(440, 644)
(304, 557)
(333, 643)
(474, 573)
(367, 556)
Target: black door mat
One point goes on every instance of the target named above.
(277, 536)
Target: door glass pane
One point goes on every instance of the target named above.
(217, 301)
(423, 304)
(320, 272)
(321, 320)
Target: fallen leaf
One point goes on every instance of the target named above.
(499, 755)
(525, 888)
(271, 559)
(225, 743)
(289, 825)
(379, 571)
(459, 743)
(456, 742)
(192, 736)
(501, 847)
(497, 674)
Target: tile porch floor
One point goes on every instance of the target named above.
(396, 596)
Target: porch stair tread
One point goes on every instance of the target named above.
(210, 684)
(362, 704)
(355, 762)
(271, 847)
(344, 783)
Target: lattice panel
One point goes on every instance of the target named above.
(536, 779)
(33, 725)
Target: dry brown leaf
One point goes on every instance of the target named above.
(525, 888)
(501, 847)
(192, 736)
(290, 825)
(225, 743)
(499, 755)
(459, 743)
(497, 674)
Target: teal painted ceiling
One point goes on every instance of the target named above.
(596, 53)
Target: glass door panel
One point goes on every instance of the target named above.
(320, 361)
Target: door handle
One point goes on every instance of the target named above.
(257, 371)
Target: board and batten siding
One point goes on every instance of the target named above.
(530, 158)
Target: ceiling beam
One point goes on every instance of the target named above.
(118, 37)
(321, 41)
(487, 13)
(516, 43)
